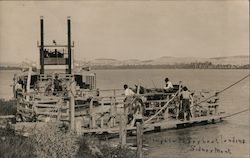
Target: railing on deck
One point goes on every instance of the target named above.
(102, 112)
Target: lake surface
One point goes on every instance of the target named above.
(230, 137)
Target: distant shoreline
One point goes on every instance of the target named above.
(185, 66)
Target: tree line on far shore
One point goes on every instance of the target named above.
(194, 65)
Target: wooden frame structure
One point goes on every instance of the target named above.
(103, 114)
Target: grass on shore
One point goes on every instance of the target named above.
(53, 141)
(8, 107)
(13, 145)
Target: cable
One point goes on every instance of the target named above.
(236, 113)
(224, 89)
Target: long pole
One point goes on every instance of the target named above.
(41, 47)
(69, 46)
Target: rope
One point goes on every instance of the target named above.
(224, 89)
(236, 113)
(158, 112)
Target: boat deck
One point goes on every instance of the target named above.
(161, 125)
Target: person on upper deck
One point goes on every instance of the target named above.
(168, 86)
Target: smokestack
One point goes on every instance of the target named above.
(69, 46)
(41, 47)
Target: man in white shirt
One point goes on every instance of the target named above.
(169, 86)
(127, 103)
(185, 97)
(128, 91)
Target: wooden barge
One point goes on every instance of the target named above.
(59, 91)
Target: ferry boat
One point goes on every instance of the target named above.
(58, 91)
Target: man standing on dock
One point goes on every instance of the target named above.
(127, 102)
(185, 97)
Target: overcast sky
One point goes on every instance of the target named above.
(127, 29)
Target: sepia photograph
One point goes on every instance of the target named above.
(124, 79)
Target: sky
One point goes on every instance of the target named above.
(126, 29)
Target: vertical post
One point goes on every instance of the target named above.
(72, 112)
(123, 130)
(139, 133)
(92, 115)
(180, 86)
(180, 102)
(115, 108)
(166, 114)
(59, 105)
(138, 89)
(216, 110)
(28, 83)
(41, 47)
(78, 125)
(112, 109)
(58, 113)
(69, 46)
(102, 106)
(95, 81)
(67, 111)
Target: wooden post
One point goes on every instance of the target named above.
(67, 111)
(58, 113)
(138, 89)
(216, 110)
(92, 115)
(139, 133)
(115, 108)
(78, 125)
(112, 111)
(180, 86)
(178, 110)
(28, 83)
(102, 106)
(166, 114)
(59, 106)
(72, 112)
(123, 130)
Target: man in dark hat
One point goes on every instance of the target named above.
(168, 86)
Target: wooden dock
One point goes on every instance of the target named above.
(161, 125)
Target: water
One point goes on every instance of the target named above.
(184, 142)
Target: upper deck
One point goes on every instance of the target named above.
(56, 57)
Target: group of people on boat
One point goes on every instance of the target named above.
(53, 54)
(184, 96)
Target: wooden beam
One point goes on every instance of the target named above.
(72, 112)
(123, 130)
(139, 133)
